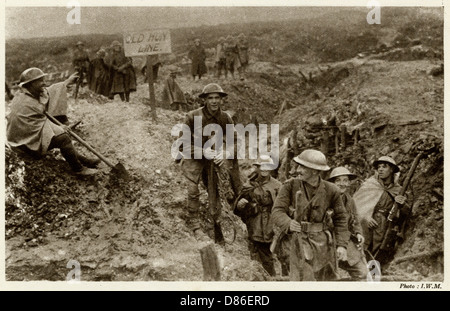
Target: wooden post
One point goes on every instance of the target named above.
(336, 141)
(324, 144)
(210, 262)
(343, 129)
(150, 60)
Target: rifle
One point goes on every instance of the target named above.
(79, 81)
(392, 231)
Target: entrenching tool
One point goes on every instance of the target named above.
(118, 169)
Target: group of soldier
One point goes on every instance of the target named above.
(312, 225)
(231, 56)
(110, 73)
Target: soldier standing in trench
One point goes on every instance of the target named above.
(254, 206)
(196, 169)
(355, 264)
(315, 248)
(374, 201)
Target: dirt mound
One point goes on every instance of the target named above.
(355, 110)
(368, 115)
(118, 230)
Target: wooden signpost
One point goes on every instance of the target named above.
(148, 43)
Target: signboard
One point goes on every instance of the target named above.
(149, 42)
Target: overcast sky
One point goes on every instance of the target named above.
(26, 22)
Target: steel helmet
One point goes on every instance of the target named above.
(174, 69)
(313, 159)
(265, 163)
(389, 160)
(101, 52)
(116, 43)
(341, 171)
(30, 75)
(221, 39)
(212, 88)
(79, 43)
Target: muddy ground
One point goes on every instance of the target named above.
(136, 230)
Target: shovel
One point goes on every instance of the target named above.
(118, 169)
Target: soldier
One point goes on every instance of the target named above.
(254, 206)
(221, 60)
(374, 200)
(173, 96)
(242, 47)
(197, 55)
(100, 77)
(81, 64)
(123, 76)
(356, 264)
(29, 130)
(315, 248)
(194, 169)
(231, 54)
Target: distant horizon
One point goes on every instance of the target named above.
(51, 22)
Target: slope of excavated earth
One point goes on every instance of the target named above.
(398, 107)
(135, 230)
(117, 230)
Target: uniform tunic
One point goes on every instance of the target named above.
(375, 200)
(196, 169)
(313, 250)
(124, 77)
(197, 55)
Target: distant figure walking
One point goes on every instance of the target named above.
(81, 64)
(123, 77)
(197, 55)
(242, 48)
(231, 54)
(221, 60)
(100, 77)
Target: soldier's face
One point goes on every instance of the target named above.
(307, 174)
(384, 170)
(343, 182)
(37, 86)
(262, 172)
(213, 101)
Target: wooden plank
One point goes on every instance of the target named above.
(210, 262)
(150, 60)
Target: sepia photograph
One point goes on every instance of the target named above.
(237, 144)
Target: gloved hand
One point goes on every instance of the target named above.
(360, 240)
(209, 154)
(241, 203)
(341, 253)
(294, 226)
(73, 77)
(400, 199)
(372, 223)
(220, 157)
